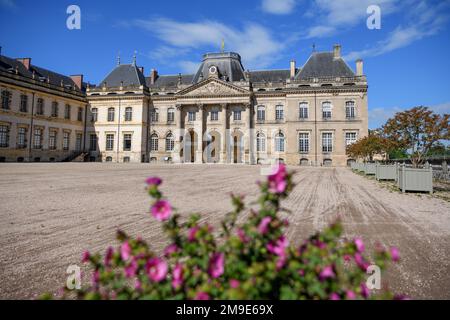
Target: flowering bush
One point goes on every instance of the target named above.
(252, 260)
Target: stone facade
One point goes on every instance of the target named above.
(226, 114)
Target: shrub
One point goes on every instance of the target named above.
(251, 260)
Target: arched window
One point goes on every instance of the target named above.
(261, 113)
(128, 113)
(154, 142)
(279, 112)
(111, 112)
(170, 115)
(350, 109)
(303, 110)
(326, 110)
(108, 159)
(260, 142)
(94, 114)
(170, 143)
(279, 142)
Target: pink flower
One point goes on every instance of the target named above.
(263, 227)
(277, 181)
(137, 285)
(364, 290)
(125, 251)
(395, 254)
(216, 265)
(170, 249)
(95, 278)
(359, 244)
(85, 257)
(281, 261)
(361, 263)
(177, 276)
(350, 295)
(347, 257)
(153, 181)
(241, 234)
(234, 283)
(279, 247)
(130, 270)
(202, 296)
(301, 272)
(192, 233)
(156, 269)
(108, 256)
(161, 210)
(326, 273)
(334, 296)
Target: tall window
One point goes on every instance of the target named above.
(111, 112)
(66, 140)
(350, 109)
(350, 137)
(170, 115)
(54, 109)
(93, 142)
(127, 142)
(21, 137)
(154, 142)
(52, 140)
(67, 111)
(237, 115)
(40, 106)
(303, 142)
(109, 142)
(154, 115)
(78, 141)
(23, 103)
(6, 99)
(128, 113)
(261, 113)
(4, 136)
(260, 142)
(191, 116)
(303, 111)
(214, 115)
(279, 142)
(327, 142)
(326, 110)
(80, 114)
(170, 143)
(279, 113)
(94, 114)
(37, 141)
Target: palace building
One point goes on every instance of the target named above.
(221, 114)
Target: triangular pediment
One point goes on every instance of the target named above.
(213, 87)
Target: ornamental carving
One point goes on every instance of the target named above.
(213, 88)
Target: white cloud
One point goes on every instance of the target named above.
(254, 43)
(278, 6)
(332, 15)
(187, 66)
(424, 20)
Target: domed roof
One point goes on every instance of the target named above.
(228, 64)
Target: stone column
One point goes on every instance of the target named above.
(223, 141)
(199, 130)
(177, 134)
(252, 134)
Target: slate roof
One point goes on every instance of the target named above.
(228, 65)
(323, 64)
(269, 75)
(169, 81)
(9, 65)
(128, 73)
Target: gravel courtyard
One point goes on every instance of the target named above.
(50, 213)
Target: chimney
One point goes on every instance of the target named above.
(78, 79)
(337, 51)
(141, 69)
(26, 62)
(153, 76)
(359, 67)
(293, 70)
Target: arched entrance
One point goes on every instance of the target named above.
(237, 148)
(190, 146)
(212, 147)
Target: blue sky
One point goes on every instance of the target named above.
(407, 61)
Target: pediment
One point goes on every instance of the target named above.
(213, 87)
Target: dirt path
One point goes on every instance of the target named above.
(50, 213)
